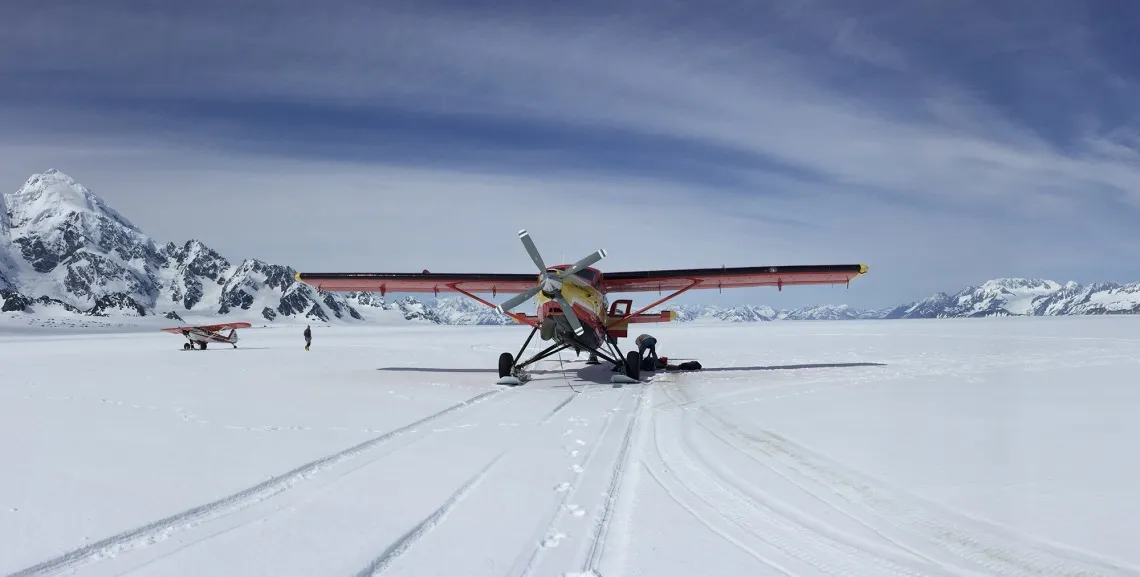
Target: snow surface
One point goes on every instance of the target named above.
(927, 447)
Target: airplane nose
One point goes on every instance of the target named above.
(551, 286)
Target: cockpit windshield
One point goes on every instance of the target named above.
(586, 275)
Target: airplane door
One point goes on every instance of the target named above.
(620, 308)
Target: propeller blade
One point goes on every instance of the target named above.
(570, 316)
(532, 250)
(519, 299)
(589, 260)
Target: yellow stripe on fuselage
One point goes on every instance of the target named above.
(583, 295)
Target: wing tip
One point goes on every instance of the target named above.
(863, 269)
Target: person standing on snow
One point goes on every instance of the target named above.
(308, 337)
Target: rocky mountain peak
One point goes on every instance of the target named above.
(51, 196)
(64, 246)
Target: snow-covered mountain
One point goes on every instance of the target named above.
(1026, 297)
(999, 297)
(65, 252)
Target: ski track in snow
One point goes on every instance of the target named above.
(164, 528)
(927, 539)
(560, 406)
(568, 489)
(585, 475)
(597, 543)
(378, 565)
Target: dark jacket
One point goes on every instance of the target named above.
(308, 334)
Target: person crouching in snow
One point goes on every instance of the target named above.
(644, 343)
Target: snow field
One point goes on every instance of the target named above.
(943, 447)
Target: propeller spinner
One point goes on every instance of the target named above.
(550, 282)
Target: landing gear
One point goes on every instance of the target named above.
(506, 362)
(187, 346)
(511, 369)
(633, 365)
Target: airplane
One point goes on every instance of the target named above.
(573, 308)
(202, 334)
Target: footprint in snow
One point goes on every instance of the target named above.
(580, 441)
(553, 538)
(575, 510)
(577, 468)
(562, 488)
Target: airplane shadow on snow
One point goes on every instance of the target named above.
(590, 373)
(792, 367)
(435, 370)
(600, 374)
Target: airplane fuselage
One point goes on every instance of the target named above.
(197, 335)
(590, 306)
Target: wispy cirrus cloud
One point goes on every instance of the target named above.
(943, 143)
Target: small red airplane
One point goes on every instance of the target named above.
(202, 334)
(573, 308)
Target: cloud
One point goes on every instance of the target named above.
(942, 146)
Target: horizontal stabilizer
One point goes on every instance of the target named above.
(661, 317)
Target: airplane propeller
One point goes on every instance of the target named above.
(550, 283)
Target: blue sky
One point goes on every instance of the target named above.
(941, 143)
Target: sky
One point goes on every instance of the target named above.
(942, 143)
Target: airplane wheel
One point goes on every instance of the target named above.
(186, 346)
(633, 365)
(202, 345)
(506, 361)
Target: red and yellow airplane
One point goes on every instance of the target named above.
(573, 308)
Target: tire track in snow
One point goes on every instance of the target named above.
(163, 528)
(417, 533)
(942, 536)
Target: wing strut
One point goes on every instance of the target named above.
(692, 283)
(521, 318)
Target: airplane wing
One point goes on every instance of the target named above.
(212, 328)
(426, 282)
(730, 277)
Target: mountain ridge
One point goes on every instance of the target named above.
(65, 252)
